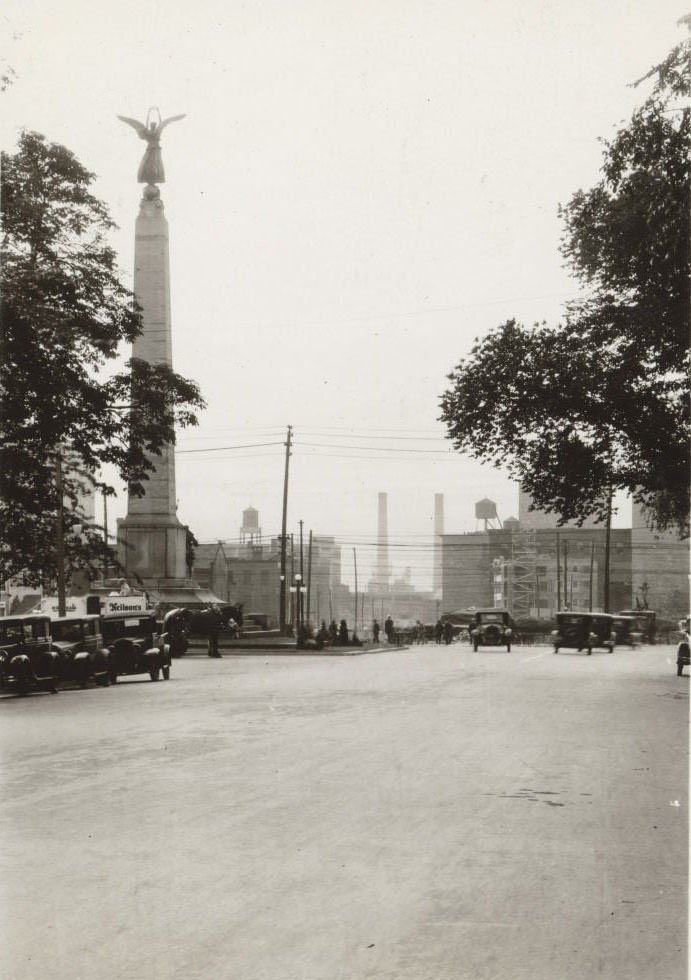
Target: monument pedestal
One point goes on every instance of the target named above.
(153, 554)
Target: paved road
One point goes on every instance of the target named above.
(415, 815)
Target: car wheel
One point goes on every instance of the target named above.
(153, 673)
(166, 672)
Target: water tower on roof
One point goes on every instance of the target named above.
(486, 511)
(250, 532)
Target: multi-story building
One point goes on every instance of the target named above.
(534, 567)
(660, 568)
(536, 575)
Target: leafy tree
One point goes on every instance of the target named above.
(600, 402)
(65, 314)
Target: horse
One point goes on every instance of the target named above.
(202, 622)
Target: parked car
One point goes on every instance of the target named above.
(645, 622)
(135, 645)
(83, 657)
(491, 628)
(583, 631)
(27, 660)
(684, 646)
(625, 631)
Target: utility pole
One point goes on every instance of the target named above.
(292, 579)
(282, 601)
(60, 536)
(566, 575)
(355, 565)
(608, 550)
(309, 576)
(105, 536)
(590, 585)
(301, 608)
(558, 572)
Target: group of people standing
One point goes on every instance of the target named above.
(336, 636)
(443, 631)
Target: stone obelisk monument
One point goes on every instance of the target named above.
(151, 539)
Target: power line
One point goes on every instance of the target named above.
(215, 449)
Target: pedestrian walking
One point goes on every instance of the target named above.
(448, 632)
(343, 633)
(389, 629)
(214, 620)
(375, 631)
(333, 632)
(438, 631)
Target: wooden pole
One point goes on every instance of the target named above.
(293, 604)
(608, 551)
(309, 576)
(105, 536)
(590, 585)
(355, 566)
(558, 573)
(566, 574)
(60, 536)
(282, 600)
(301, 608)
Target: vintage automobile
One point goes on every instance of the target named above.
(491, 628)
(684, 646)
(645, 622)
(583, 631)
(83, 656)
(135, 645)
(27, 660)
(625, 631)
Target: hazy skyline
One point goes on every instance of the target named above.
(358, 191)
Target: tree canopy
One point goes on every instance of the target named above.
(65, 315)
(600, 402)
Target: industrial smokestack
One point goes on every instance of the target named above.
(382, 574)
(438, 531)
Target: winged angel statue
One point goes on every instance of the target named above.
(151, 168)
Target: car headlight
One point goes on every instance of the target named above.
(507, 631)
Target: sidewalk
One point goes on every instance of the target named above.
(283, 645)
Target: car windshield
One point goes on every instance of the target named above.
(67, 632)
(491, 618)
(572, 620)
(10, 632)
(39, 629)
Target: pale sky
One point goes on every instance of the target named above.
(360, 189)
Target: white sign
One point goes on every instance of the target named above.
(75, 605)
(123, 604)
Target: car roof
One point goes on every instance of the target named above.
(25, 618)
(74, 618)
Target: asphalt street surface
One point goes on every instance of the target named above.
(424, 814)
